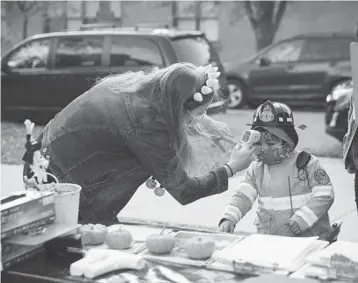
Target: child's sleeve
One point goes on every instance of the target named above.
(243, 198)
(322, 196)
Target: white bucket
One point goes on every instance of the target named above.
(67, 202)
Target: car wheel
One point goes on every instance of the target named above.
(236, 94)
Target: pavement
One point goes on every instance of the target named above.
(207, 211)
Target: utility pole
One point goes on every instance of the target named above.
(174, 7)
(197, 14)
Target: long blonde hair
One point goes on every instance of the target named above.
(167, 90)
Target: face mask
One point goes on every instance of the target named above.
(272, 154)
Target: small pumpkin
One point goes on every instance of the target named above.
(160, 243)
(199, 247)
(93, 234)
(118, 238)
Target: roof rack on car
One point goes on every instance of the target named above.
(98, 26)
(152, 26)
(325, 34)
(137, 27)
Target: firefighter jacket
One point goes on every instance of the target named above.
(284, 192)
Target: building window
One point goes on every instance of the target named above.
(197, 15)
(73, 14)
(91, 12)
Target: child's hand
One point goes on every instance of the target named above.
(295, 228)
(227, 226)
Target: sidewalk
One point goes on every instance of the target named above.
(146, 205)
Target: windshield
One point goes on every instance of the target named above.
(195, 50)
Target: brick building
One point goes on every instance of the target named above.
(224, 22)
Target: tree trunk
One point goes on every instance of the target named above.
(24, 27)
(197, 15)
(174, 14)
(264, 35)
(264, 20)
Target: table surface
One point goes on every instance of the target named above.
(49, 267)
(45, 267)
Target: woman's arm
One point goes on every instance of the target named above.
(150, 143)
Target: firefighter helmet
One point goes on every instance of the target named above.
(272, 114)
(277, 118)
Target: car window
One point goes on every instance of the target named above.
(345, 47)
(32, 55)
(79, 51)
(133, 52)
(288, 51)
(195, 50)
(322, 49)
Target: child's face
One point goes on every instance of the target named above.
(268, 140)
(271, 149)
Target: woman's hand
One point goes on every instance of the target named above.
(219, 131)
(241, 157)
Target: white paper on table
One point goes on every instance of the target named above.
(309, 270)
(267, 251)
(345, 248)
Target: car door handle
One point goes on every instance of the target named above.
(290, 67)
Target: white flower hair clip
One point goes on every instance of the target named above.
(212, 82)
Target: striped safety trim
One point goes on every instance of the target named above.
(307, 215)
(248, 191)
(284, 203)
(233, 212)
(319, 191)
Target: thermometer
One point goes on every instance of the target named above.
(250, 137)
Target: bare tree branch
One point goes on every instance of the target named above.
(21, 6)
(265, 18)
(280, 12)
(237, 12)
(250, 14)
(30, 6)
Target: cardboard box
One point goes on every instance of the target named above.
(24, 210)
(13, 254)
(26, 228)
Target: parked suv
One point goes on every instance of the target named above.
(45, 72)
(300, 70)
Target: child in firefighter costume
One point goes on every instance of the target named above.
(294, 191)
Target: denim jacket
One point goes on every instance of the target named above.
(109, 144)
(350, 142)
